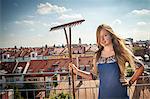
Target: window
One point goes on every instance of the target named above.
(35, 79)
(41, 85)
(17, 79)
(88, 68)
(49, 69)
(82, 67)
(62, 78)
(5, 56)
(33, 55)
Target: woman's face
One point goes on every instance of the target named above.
(105, 38)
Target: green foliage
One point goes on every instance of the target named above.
(55, 83)
(17, 94)
(130, 72)
(137, 49)
(61, 95)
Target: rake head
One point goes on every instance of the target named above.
(71, 24)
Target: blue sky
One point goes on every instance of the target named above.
(27, 22)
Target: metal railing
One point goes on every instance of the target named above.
(84, 89)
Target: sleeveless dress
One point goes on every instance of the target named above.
(110, 86)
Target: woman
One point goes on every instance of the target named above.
(110, 65)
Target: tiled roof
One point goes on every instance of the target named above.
(58, 50)
(45, 53)
(92, 48)
(49, 65)
(22, 64)
(8, 66)
(42, 51)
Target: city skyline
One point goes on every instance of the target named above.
(27, 22)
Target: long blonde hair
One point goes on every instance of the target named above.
(122, 53)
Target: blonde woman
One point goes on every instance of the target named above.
(110, 65)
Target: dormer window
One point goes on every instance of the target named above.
(33, 55)
(63, 69)
(5, 56)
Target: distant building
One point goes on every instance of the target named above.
(130, 39)
(129, 42)
(141, 43)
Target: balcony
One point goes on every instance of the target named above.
(48, 87)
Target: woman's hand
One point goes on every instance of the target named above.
(127, 83)
(124, 81)
(130, 82)
(72, 66)
(75, 70)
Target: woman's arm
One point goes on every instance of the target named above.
(136, 75)
(139, 70)
(84, 74)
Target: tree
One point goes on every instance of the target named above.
(55, 83)
(63, 46)
(54, 46)
(15, 47)
(46, 46)
(61, 95)
(17, 93)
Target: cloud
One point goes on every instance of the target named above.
(141, 28)
(117, 21)
(12, 34)
(39, 35)
(49, 8)
(72, 16)
(45, 24)
(32, 29)
(141, 23)
(30, 16)
(34, 24)
(17, 22)
(55, 23)
(30, 22)
(141, 12)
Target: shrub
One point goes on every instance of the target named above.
(61, 95)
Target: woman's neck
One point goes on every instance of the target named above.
(108, 48)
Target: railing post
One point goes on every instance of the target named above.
(93, 93)
(78, 93)
(27, 94)
(34, 94)
(85, 94)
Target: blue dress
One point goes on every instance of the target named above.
(110, 85)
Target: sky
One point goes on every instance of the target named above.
(27, 23)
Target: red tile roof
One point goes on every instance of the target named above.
(22, 64)
(8, 66)
(51, 64)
